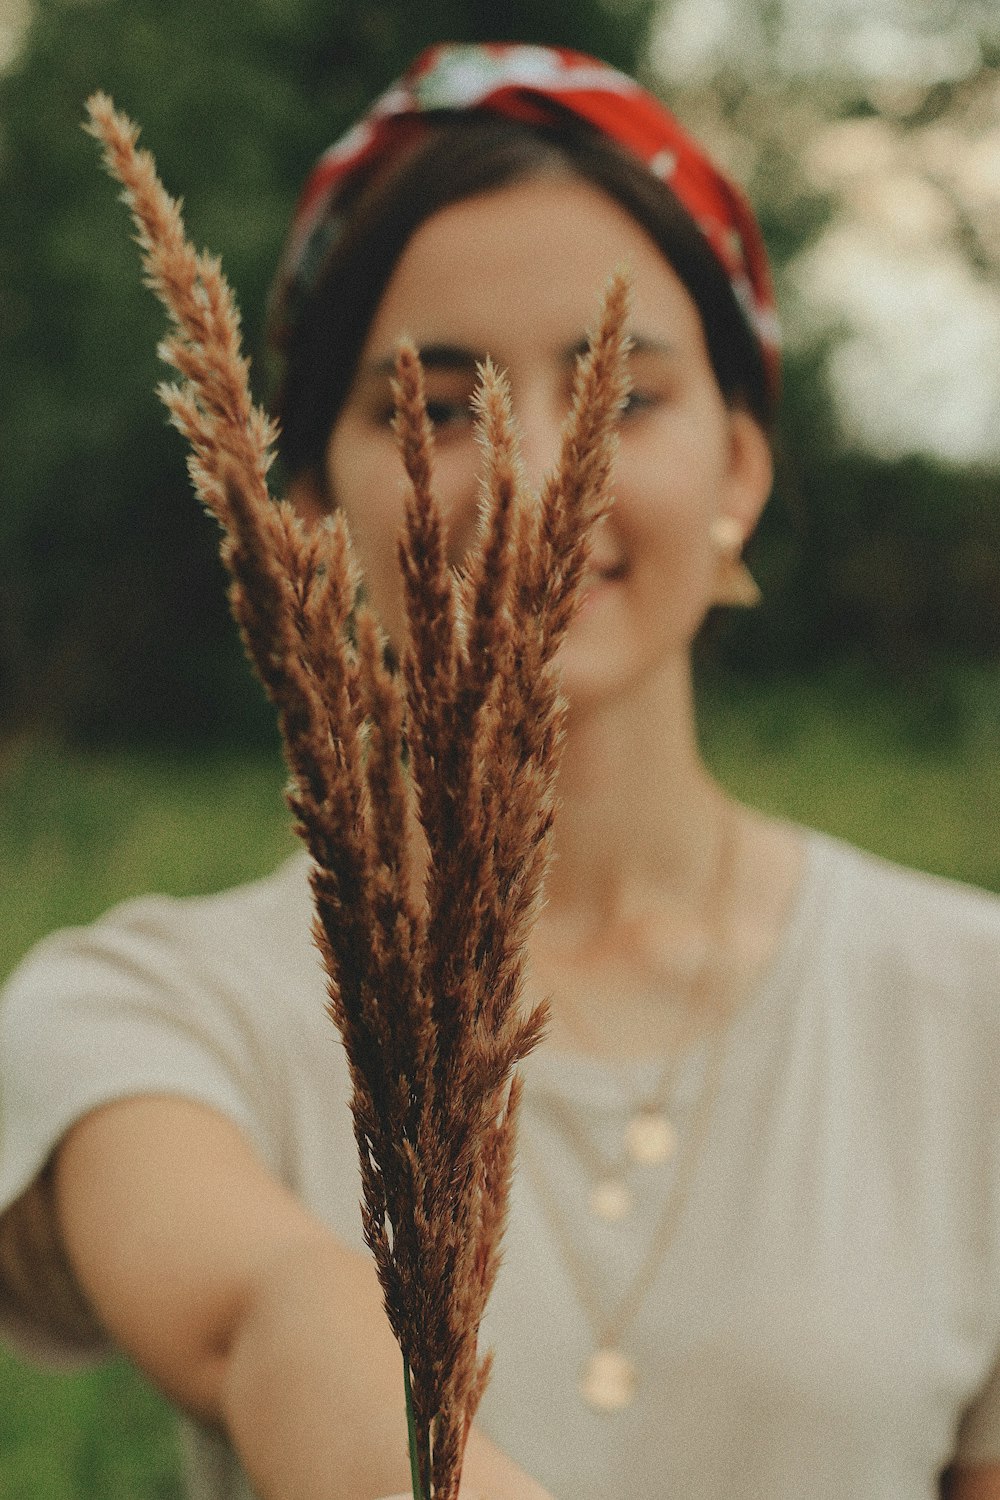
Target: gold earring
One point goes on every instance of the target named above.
(734, 583)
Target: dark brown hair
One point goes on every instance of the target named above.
(461, 157)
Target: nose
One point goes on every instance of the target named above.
(539, 422)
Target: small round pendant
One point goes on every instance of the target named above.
(610, 1200)
(608, 1381)
(650, 1138)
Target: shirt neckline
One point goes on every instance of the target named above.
(608, 1084)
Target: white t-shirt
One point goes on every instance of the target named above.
(825, 1320)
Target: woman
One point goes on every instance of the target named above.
(754, 1241)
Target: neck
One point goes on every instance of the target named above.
(639, 811)
(664, 898)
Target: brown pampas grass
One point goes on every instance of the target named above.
(426, 798)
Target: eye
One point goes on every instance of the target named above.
(639, 401)
(444, 414)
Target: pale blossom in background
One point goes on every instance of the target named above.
(902, 286)
(917, 366)
(14, 17)
(871, 39)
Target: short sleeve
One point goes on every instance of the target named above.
(158, 997)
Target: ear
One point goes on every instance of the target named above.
(751, 471)
(309, 497)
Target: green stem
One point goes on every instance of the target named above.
(411, 1433)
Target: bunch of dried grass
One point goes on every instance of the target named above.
(426, 799)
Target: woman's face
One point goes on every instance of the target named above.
(517, 274)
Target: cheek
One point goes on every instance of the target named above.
(668, 494)
(455, 480)
(366, 481)
(455, 485)
(667, 499)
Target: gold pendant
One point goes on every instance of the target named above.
(610, 1200)
(608, 1381)
(650, 1138)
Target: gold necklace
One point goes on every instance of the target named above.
(609, 1379)
(650, 1137)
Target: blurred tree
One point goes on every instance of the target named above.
(866, 133)
(112, 619)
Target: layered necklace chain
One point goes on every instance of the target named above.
(649, 1139)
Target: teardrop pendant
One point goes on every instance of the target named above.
(608, 1381)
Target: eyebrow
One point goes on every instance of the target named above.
(455, 358)
(638, 343)
(432, 357)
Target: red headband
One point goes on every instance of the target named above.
(537, 85)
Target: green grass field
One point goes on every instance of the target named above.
(913, 774)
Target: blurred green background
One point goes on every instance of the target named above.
(112, 622)
(136, 752)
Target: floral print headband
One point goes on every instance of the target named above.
(538, 85)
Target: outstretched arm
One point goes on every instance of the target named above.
(242, 1306)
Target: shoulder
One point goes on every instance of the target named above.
(904, 910)
(160, 986)
(259, 907)
(904, 948)
(263, 926)
(195, 997)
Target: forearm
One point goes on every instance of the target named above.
(240, 1305)
(312, 1393)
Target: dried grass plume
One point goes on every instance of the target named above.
(425, 797)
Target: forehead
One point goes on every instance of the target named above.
(522, 269)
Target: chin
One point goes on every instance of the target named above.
(604, 667)
(595, 678)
